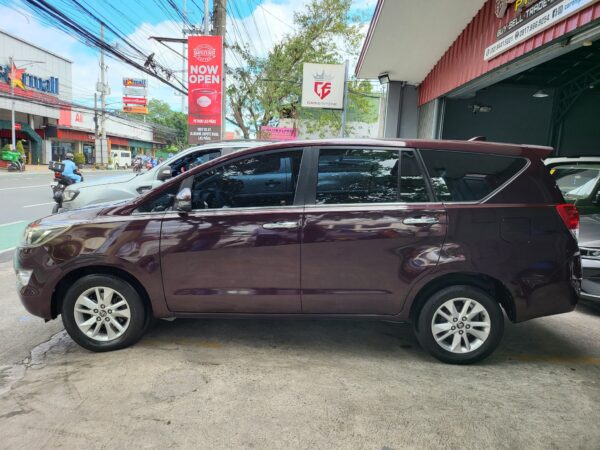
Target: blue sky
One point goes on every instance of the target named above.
(261, 22)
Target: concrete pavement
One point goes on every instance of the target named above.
(280, 384)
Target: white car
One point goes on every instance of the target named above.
(112, 189)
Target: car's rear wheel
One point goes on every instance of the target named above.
(103, 313)
(460, 325)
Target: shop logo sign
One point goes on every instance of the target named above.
(502, 7)
(205, 53)
(322, 85)
(16, 77)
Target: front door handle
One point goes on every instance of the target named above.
(423, 220)
(280, 225)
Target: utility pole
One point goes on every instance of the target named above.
(102, 96)
(206, 18)
(219, 28)
(183, 53)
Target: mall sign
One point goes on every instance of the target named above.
(25, 81)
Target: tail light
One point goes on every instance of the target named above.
(570, 216)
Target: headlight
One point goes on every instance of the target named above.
(23, 276)
(36, 235)
(70, 195)
(590, 253)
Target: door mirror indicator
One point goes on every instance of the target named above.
(164, 173)
(183, 200)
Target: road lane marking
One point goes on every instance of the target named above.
(11, 223)
(7, 250)
(47, 185)
(38, 204)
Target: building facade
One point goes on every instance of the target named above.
(520, 71)
(46, 119)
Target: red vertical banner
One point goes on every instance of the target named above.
(205, 88)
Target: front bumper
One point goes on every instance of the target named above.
(36, 295)
(590, 285)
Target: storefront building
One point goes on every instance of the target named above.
(46, 120)
(520, 71)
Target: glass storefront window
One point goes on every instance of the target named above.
(60, 149)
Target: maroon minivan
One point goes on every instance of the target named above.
(448, 235)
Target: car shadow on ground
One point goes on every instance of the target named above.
(538, 340)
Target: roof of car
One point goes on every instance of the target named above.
(465, 146)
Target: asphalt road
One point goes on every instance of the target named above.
(26, 197)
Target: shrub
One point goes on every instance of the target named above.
(20, 147)
(79, 159)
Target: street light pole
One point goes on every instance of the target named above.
(345, 110)
(12, 110)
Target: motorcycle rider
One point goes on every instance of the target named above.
(71, 168)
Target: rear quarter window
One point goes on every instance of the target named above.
(468, 177)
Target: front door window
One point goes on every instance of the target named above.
(256, 181)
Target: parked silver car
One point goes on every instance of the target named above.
(122, 187)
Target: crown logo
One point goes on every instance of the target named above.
(322, 76)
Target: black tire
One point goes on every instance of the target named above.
(138, 321)
(425, 335)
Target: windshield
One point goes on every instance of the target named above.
(576, 182)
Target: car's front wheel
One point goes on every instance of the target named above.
(103, 313)
(460, 325)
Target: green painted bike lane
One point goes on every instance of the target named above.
(10, 234)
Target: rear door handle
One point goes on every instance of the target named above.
(280, 225)
(423, 220)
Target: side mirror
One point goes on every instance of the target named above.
(183, 200)
(164, 173)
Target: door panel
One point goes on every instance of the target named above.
(371, 234)
(363, 259)
(226, 260)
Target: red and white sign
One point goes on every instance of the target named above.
(205, 88)
(135, 101)
(323, 85)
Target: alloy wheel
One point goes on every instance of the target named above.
(461, 325)
(102, 313)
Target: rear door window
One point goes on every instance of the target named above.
(369, 176)
(468, 177)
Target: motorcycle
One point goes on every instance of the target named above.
(12, 161)
(60, 183)
(137, 165)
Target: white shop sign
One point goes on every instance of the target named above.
(545, 20)
(323, 85)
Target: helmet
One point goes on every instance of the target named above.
(69, 155)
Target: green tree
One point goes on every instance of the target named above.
(160, 113)
(261, 90)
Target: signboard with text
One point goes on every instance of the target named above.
(530, 18)
(278, 133)
(323, 86)
(134, 95)
(205, 88)
(135, 109)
